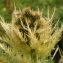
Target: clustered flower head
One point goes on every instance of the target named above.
(30, 37)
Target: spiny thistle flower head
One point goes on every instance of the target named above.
(30, 37)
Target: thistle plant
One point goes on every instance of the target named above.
(30, 37)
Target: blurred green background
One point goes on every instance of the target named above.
(7, 6)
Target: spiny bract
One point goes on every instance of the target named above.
(30, 37)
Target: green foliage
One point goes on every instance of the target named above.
(5, 58)
(3, 11)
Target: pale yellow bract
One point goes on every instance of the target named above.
(0, 62)
(30, 36)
